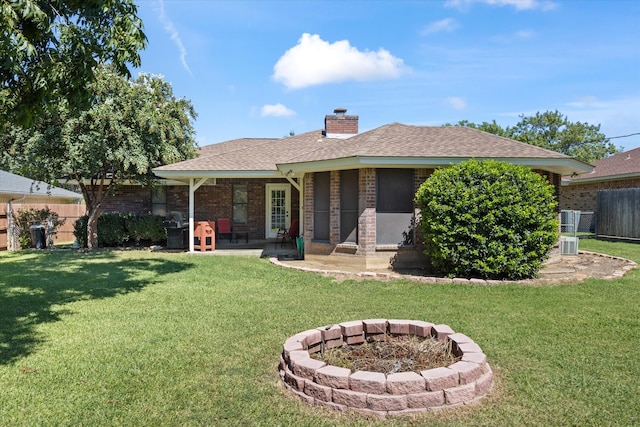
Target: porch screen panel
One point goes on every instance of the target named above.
(394, 205)
(321, 196)
(349, 206)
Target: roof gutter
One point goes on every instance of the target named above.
(562, 166)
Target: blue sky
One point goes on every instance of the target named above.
(266, 68)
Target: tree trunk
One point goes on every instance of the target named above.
(92, 228)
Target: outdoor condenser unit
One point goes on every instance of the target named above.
(568, 245)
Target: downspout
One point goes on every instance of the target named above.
(193, 186)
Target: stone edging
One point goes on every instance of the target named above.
(630, 265)
(373, 393)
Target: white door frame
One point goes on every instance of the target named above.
(270, 232)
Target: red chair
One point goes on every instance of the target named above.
(224, 227)
(288, 236)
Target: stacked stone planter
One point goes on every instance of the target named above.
(462, 383)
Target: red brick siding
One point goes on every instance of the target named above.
(582, 197)
(128, 198)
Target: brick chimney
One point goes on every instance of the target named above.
(339, 125)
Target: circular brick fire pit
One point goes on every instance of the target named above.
(462, 383)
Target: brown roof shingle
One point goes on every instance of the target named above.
(627, 163)
(389, 141)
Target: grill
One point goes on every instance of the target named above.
(177, 231)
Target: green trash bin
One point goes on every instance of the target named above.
(300, 246)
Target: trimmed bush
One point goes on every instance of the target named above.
(146, 227)
(116, 229)
(487, 219)
(112, 229)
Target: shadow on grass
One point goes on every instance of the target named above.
(33, 284)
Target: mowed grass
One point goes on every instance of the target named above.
(154, 339)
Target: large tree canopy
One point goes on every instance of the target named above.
(553, 130)
(132, 127)
(49, 50)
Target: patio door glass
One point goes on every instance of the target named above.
(278, 205)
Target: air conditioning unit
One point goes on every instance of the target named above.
(568, 245)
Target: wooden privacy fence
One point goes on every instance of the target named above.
(3, 227)
(64, 234)
(618, 213)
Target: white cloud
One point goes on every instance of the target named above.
(517, 36)
(447, 24)
(544, 5)
(314, 61)
(174, 35)
(276, 110)
(456, 102)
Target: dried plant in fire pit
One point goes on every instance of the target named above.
(391, 354)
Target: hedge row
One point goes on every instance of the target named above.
(118, 229)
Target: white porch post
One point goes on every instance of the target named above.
(193, 186)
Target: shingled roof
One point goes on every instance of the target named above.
(392, 145)
(17, 186)
(619, 166)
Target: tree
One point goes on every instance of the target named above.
(553, 131)
(487, 219)
(132, 127)
(51, 48)
(492, 127)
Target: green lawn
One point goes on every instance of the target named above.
(137, 338)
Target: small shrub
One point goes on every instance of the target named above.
(146, 227)
(80, 231)
(112, 229)
(487, 219)
(25, 218)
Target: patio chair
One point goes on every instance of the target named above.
(224, 227)
(288, 235)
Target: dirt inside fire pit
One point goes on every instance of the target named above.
(391, 354)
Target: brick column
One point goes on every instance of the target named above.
(308, 208)
(367, 208)
(334, 207)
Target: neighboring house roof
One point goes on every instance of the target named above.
(19, 187)
(624, 165)
(392, 145)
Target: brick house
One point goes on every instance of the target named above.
(612, 173)
(351, 192)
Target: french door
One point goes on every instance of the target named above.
(278, 209)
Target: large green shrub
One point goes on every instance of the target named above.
(487, 219)
(116, 229)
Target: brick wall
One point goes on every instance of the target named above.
(582, 197)
(128, 198)
(211, 201)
